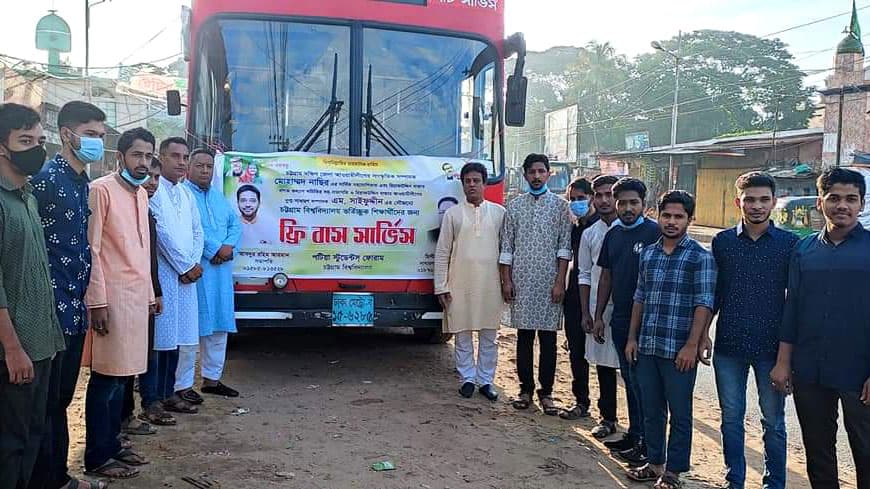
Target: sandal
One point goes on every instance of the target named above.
(156, 415)
(523, 401)
(137, 428)
(125, 442)
(114, 469)
(668, 481)
(176, 404)
(131, 458)
(643, 474)
(549, 406)
(575, 413)
(92, 484)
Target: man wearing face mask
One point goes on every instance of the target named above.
(619, 259)
(583, 215)
(535, 251)
(119, 299)
(61, 189)
(29, 331)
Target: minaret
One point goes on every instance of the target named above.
(848, 72)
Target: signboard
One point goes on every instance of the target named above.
(637, 141)
(322, 216)
(560, 129)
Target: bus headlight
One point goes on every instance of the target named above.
(279, 280)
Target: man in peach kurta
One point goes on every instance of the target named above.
(119, 299)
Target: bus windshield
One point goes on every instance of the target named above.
(261, 86)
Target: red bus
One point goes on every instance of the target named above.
(356, 78)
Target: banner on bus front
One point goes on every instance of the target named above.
(324, 216)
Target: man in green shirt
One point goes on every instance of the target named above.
(30, 334)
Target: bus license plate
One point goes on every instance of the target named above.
(353, 310)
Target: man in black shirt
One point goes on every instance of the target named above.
(580, 197)
(619, 259)
(824, 350)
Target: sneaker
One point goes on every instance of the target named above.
(624, 443)
(604, 429)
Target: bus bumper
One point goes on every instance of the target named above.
(314, 309)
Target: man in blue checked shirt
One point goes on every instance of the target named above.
(673, 304)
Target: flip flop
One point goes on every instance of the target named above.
(140, 429)
(114, 469)
(131, 458)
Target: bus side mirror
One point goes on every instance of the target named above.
(517, 84)
(515, 105)
(173, 102)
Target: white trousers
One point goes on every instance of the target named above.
(186, 369)
(487, 356)
(214, 355)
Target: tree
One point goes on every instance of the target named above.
(729, 82)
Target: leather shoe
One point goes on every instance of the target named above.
(220, 389)
(489, 392)
(191, 396)
(467, 390)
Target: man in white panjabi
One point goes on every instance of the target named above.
(467, 281)
(600, 351)
(180, 244)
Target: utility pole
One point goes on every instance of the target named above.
(88, 5)
(675, 111)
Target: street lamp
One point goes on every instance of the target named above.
(672, 170)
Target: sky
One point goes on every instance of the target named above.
(130, 31)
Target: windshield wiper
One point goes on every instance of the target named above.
(327, 120)
(376, 130)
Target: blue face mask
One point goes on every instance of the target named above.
(541, 191)
(636, 223)
(90, 150)
(579, 207)
(129, 178)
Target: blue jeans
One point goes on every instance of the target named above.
(629, 378)
(103, 405)
(666, 391)
(167, 362)
(731, 377)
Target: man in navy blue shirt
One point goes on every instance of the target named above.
(824, 350)
(752, 259)
(61, 191)
(619, 262)
(673, 304)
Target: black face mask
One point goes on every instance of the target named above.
(29, 161)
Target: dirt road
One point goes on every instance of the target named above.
(323, 407)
